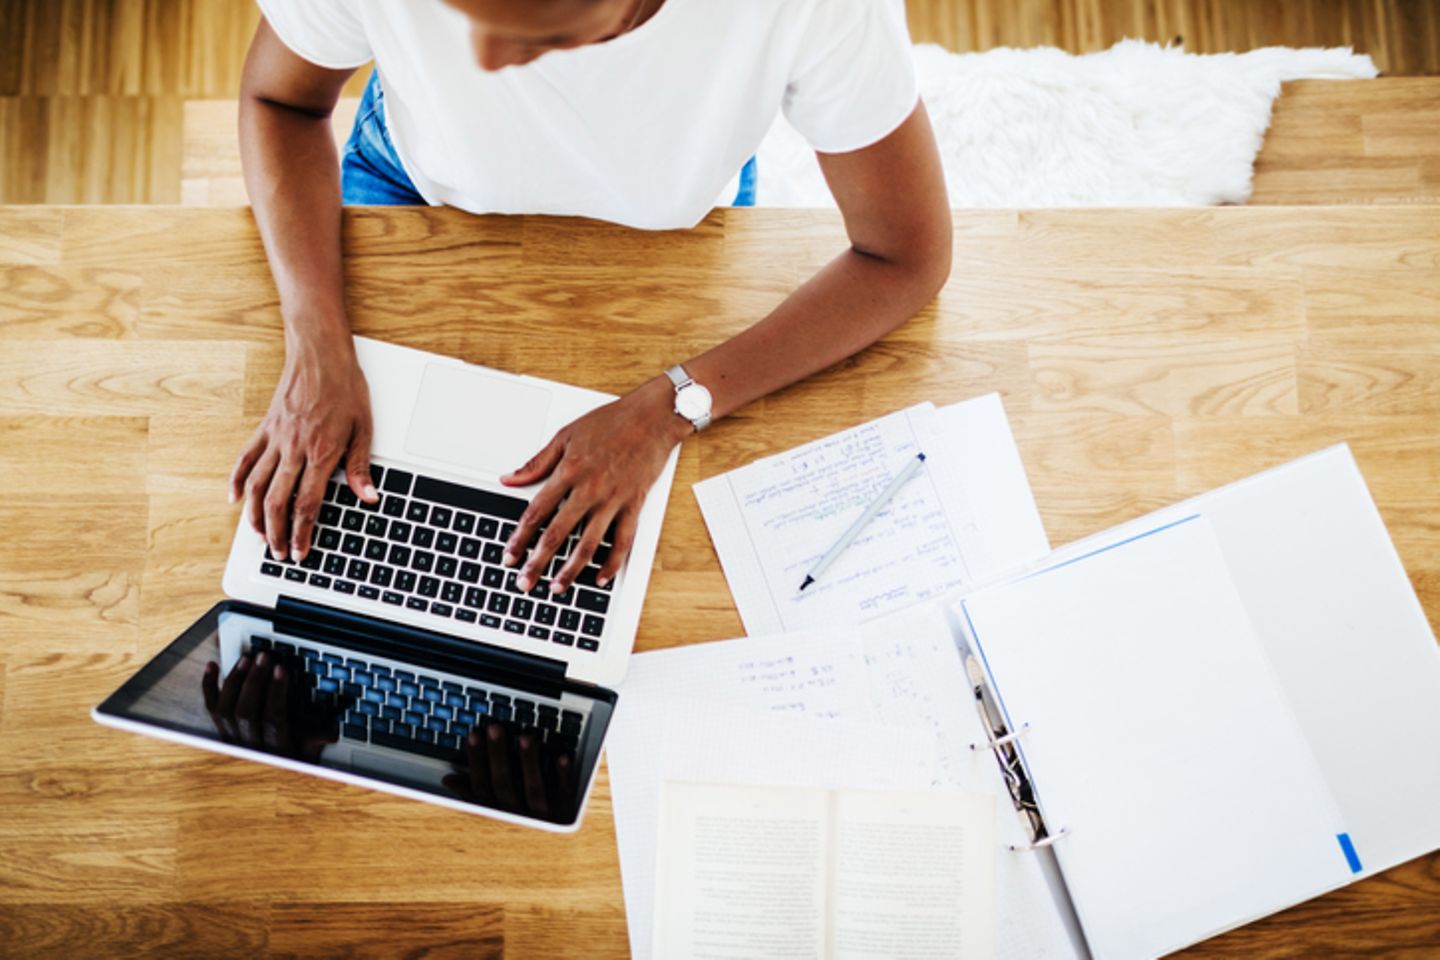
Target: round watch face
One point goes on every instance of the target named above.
(692, 402)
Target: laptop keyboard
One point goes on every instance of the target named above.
(406, 709)
(435, 547)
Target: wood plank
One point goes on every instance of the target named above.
(222, 928)
(119, 377)
(30, 235)
(96, 303)
(420, 928)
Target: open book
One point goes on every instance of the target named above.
(747, 872)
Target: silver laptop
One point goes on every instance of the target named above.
(401, 653)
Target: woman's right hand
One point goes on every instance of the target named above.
(320, 413)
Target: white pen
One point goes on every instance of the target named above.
(875, 507)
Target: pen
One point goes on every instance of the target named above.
(876, 505)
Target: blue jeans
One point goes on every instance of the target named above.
(371, 172)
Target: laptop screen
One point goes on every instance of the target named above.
(273, 688)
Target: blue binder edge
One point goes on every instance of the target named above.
(1351, 857)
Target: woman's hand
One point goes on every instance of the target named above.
(320, 411)
(600, 468)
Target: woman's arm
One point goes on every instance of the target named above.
(892, 196)
(321, 406)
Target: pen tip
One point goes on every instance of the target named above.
(808, 580)
(921, 456)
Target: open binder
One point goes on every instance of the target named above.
(1216, 711)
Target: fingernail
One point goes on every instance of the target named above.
(243, 663)
(510, 559)
(263, 660)
(370, 493)
(601, 581)
(473, 739)
(278, 673)
(523, 581)
(230, 496)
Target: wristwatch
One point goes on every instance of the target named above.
(692, 401)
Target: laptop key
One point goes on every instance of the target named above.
(381, 576)
(335, 565)
(588, 643)
(345, 496)
(270, 569)
(424, 538)
(376, 526)
(499, 603)
(358, 570)
(451, 592)
(545, 614)
(328, 539)
(475, 597)
(539, 633)
(393, 506)
(569, 620)
(329, 515)
(353, 544)
(369, 593)
(446, 567)
(470, 572)
(522, 608)
(423, 560)
(375, 549)
(470, 548)
(295, 574)
(492, 553)
(563, 638)
(392, 598)
(592, 600)
(399, 556)
(400, 532)
(417, 512)
(441, 609)
(398, 481)
(490, 620)
(464, 523)
(446, 542)
(405, 580)
(320, 580)
(464, 615)
(356, 731)
(344, 586)
(440, 517)
(354, 521)
(592, 626)
(514, 626)
(429, 587)
(493, 577)
(416, 603)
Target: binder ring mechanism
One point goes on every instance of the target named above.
(1043, 842)
(1002, 740)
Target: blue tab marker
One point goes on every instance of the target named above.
(1351, 857)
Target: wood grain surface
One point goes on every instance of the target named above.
(1143, 356)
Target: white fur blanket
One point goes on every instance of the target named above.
(1135, 125)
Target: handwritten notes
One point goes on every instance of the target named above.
(774, 519)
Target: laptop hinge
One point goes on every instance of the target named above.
(426, 647)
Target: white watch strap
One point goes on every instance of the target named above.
(678, 376)
(681, 380)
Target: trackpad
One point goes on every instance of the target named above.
(477, 420)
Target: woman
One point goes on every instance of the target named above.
(639, 112)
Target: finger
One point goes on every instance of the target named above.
(502, 778)
(277, 504)
(595, 529)
(571, 515)
(307, 505)
(540, 511)
(230, 691)
(252, 698)
(245, 463)
(625, 526)
(566, 784)
(479, 766)
(530, 775)
(539, 466)
(458, 785)
(357, 462)
(210, 684)
(255, 486)
(277, 709)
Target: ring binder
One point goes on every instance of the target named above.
(1012, 770)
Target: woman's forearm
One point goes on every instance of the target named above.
(292, 173)
(855, 300)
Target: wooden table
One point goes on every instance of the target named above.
(1143, 357)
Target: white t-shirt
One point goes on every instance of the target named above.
(646, 129)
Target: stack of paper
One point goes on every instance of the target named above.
(966, 516)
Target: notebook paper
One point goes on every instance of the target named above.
(1158, 736)
(965, 516)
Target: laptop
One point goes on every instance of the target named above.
(401, 654)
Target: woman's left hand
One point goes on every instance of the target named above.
(600, 468)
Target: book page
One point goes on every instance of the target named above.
(913, 875)
(741, 872)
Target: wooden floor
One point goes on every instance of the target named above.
(92, 91)
(1143, 356)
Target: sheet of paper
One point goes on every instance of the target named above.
(966, 515)
(1193, 800)
(901, 670)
